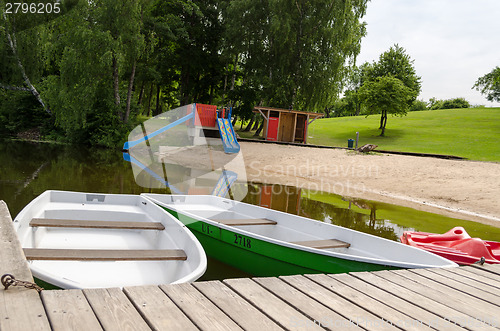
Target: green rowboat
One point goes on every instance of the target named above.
(265, 242)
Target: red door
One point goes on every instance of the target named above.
(266, 196)
(272, 128)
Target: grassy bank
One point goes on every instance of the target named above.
(470, 133)
(409, 218)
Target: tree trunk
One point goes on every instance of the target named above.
(383, 122)
(259, 130)
(233, 78)
(149, 100)
(158, 106)
(14, 88)
(184, 88)
(116, 86)
(327, 112)
(129, 93)
(255, 125)
(13, 46)
(235, 118)
(358, 108)
(211, 94)
(224, 94)
(141, 93)
(249, 126)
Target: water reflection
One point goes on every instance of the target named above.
(181, 150)
(27, 170)
(301, 202)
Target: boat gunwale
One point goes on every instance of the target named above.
(356, 258)
(50, 277)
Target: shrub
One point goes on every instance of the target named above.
(418, 105)
(456, 103)
(448, 104)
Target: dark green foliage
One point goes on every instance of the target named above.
(396, 63)
(21, 111)
(418, 105)
(105, 62)
(390, 86)
(448, 104)
(456, 103)
(342, 107)
(386, 95)
(489, 84)
(294, 53)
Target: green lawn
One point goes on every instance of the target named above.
(471, 133)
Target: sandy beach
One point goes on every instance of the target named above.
(462, 189)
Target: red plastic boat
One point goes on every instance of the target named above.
(455, 245)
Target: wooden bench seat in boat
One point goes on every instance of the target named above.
(323, 244)
(246, 221)
(104, 254)
(64, 223)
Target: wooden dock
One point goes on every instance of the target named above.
(465, 298)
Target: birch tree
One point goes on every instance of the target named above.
(9, 30)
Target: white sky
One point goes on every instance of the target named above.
(452, 42)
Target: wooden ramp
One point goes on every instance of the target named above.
(465, 298)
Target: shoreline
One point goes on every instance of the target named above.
(463, 189)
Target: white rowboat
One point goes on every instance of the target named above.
(84, 240)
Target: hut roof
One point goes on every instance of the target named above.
(317, 115)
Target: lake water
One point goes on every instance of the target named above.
(28, 169)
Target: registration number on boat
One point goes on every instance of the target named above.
(242, 241)
(211, 231)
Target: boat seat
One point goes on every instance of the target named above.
(246, 221)
(63, 223)
(323, 244)
(104, 254)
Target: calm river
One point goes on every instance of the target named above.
(28, 169)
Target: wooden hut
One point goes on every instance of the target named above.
(286, 125)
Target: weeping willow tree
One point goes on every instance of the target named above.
(296, 53)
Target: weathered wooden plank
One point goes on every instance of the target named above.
(278, 310)
(236, 307)
(385, 313)
(246, 221)
(413, 316)
(479, 270)
(64, 223)
(455, 299)
(391, 283)
(157, 309)
(69, 310)
(323, 244)
(478, 274)
(445, 273)
(104, 254)
(465, 287)
(11, 254)
(317, 312)
(114, 310)
(20, 308)
(492, 268)
(198, 308)
(359, 316)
